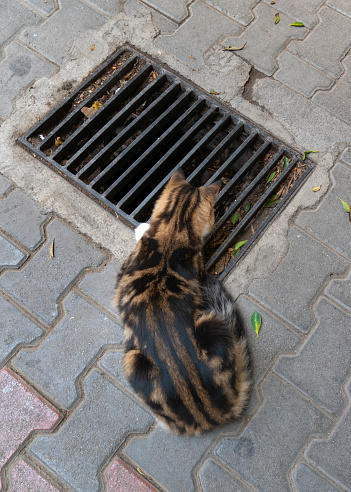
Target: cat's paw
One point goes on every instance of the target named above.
(140, 230)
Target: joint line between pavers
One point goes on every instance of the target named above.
(97, 9)
(103, 309)
(318, 471)
(15, 303)
(34, 9)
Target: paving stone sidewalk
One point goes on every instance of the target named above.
(68, 419)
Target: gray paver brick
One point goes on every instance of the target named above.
(20, 216)
(334, 453)
(205, 27)
(300, 10)
(112, 363)
(329, 221)
(290, 289)
(82, 333)
(162, 23)
(341, 290)
(154, 453)
(15, 329)
(56, 36)
(273, 339)
(337, 100)
(213, 479)
(19, 69)
(46, 7)
(101, 286)
(300, 75)
(306, 480)
(5, 186)
(317, 48)
(77, 451)
(346, 156)
(13, 17)
(175, 9)
(284, 418)
(324, 362)
(42, 280)
(264, 39)
(342, 6)
(109, 7)
(240, 10)
(9, 254)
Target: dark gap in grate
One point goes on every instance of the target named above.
(123, 132)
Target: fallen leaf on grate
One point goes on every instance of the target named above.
(88, 112)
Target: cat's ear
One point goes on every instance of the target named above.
(177, 176)
(212, 190)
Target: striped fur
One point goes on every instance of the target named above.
(186, 353)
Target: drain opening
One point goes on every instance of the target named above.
(122, 133)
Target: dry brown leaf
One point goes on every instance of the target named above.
(92, 48)
(88, 112)
(58, 141)
(316, 188)
(96, 105)
(140, 471)
(52, 249)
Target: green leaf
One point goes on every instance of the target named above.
(247, 208)
(271, 176)
(286, 163)
(271, 204)
(276, 19)
(193, 161)
(239, 245)
(256, 321)
(346, 206)
(297, 24)
(308, 152)
(235, 218)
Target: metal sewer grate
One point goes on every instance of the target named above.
(122, 133)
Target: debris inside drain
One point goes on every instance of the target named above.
(123, 132)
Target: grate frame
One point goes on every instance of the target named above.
(186, 91)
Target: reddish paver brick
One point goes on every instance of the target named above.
(25, 478)
(21, 412)
(121, 478)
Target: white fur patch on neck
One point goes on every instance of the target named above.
(140, 230)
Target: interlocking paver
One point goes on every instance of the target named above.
(162, 23)
(13, 17)
(264, 39)
(342, 6)
(341, 290)
(101, 285)
(213, 477)
(284, 418)
(306, 480)
(194, 38)
(83, 332)
(46, 7)
(273, 339)
(112, 363)
(337, 101)
(175, 9)
(240, 10)
(329, 221)
(18, 70)
(154, 453)
(333, 454)
(25, 478)
(121, 478)
(291, 288)
(77, 451)
(56, 36)
(21, 412)
(109, 7)
(9, 255)
(318, 49)
(15, 329)
(21, 217)
(324, 362)
(300, 75)
(42, 280)
(346, 156)
(300, 10)
(5, 186)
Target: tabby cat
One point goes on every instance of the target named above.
(186, 354)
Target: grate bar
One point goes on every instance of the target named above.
(127, 132)
(146, 136)
(72, 141)
(189, 157)
(247, 166)
(216, 152)
(242, 197)
(76, 113)
(249, 216)
(156, 146)
(175, 149)
(121, 116)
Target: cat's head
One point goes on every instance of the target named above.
(185, 208)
